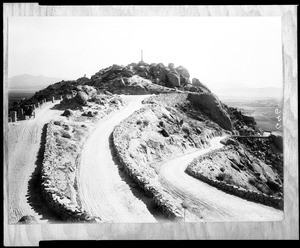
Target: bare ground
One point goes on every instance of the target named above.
(25, 155)
(106, 191)
(207, 203)
(103, 190)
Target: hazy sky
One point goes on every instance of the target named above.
(222, 52)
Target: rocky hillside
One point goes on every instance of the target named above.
(135, 78)
(154, 134)
(182, 116)
(193, 99)
(236, 165)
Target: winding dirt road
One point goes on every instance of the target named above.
(102, 190)
(24, 144)
(105, 194)
(205, 202)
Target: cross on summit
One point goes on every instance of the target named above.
(142, 56)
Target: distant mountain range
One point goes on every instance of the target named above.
(244, 93)
(30, 83)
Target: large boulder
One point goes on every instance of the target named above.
(67, 113)
(171, 66)
(118, 83)
(143, 71)
(211, 106)
(127, 73)
(203, 88)
(89, 90)
(184, 81)
(158, 71)
(183, 72)
(116, 68)
(81, 97)
(173, 78)
(228, 141)
(97, 81)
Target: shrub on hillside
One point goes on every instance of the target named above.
(225, 177)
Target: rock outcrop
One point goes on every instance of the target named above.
(174, 80)
(116, 79)
(201, 86)
(183, 72)
(277, 141)
(242, 124)
(211, 106)
(82, 97)
(158, 74)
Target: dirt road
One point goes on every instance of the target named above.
(24, 144)
(102, 189)
(207, 203)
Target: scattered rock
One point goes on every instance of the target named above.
(67, 113)
(58, 123)
(228, 141)
(90, 114)
(66, 135)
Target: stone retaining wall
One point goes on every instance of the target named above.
(161, 198)
(265, 199)
(67, 209)
(170, 206)
(59, 203)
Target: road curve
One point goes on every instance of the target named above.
(24, 141)
(102, 190)
(205, 202)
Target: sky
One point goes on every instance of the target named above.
(222, 52)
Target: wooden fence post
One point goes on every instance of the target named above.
(13, 115)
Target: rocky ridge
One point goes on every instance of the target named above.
(135, 78)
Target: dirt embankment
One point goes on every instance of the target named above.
(152, 135)
(65, 138)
